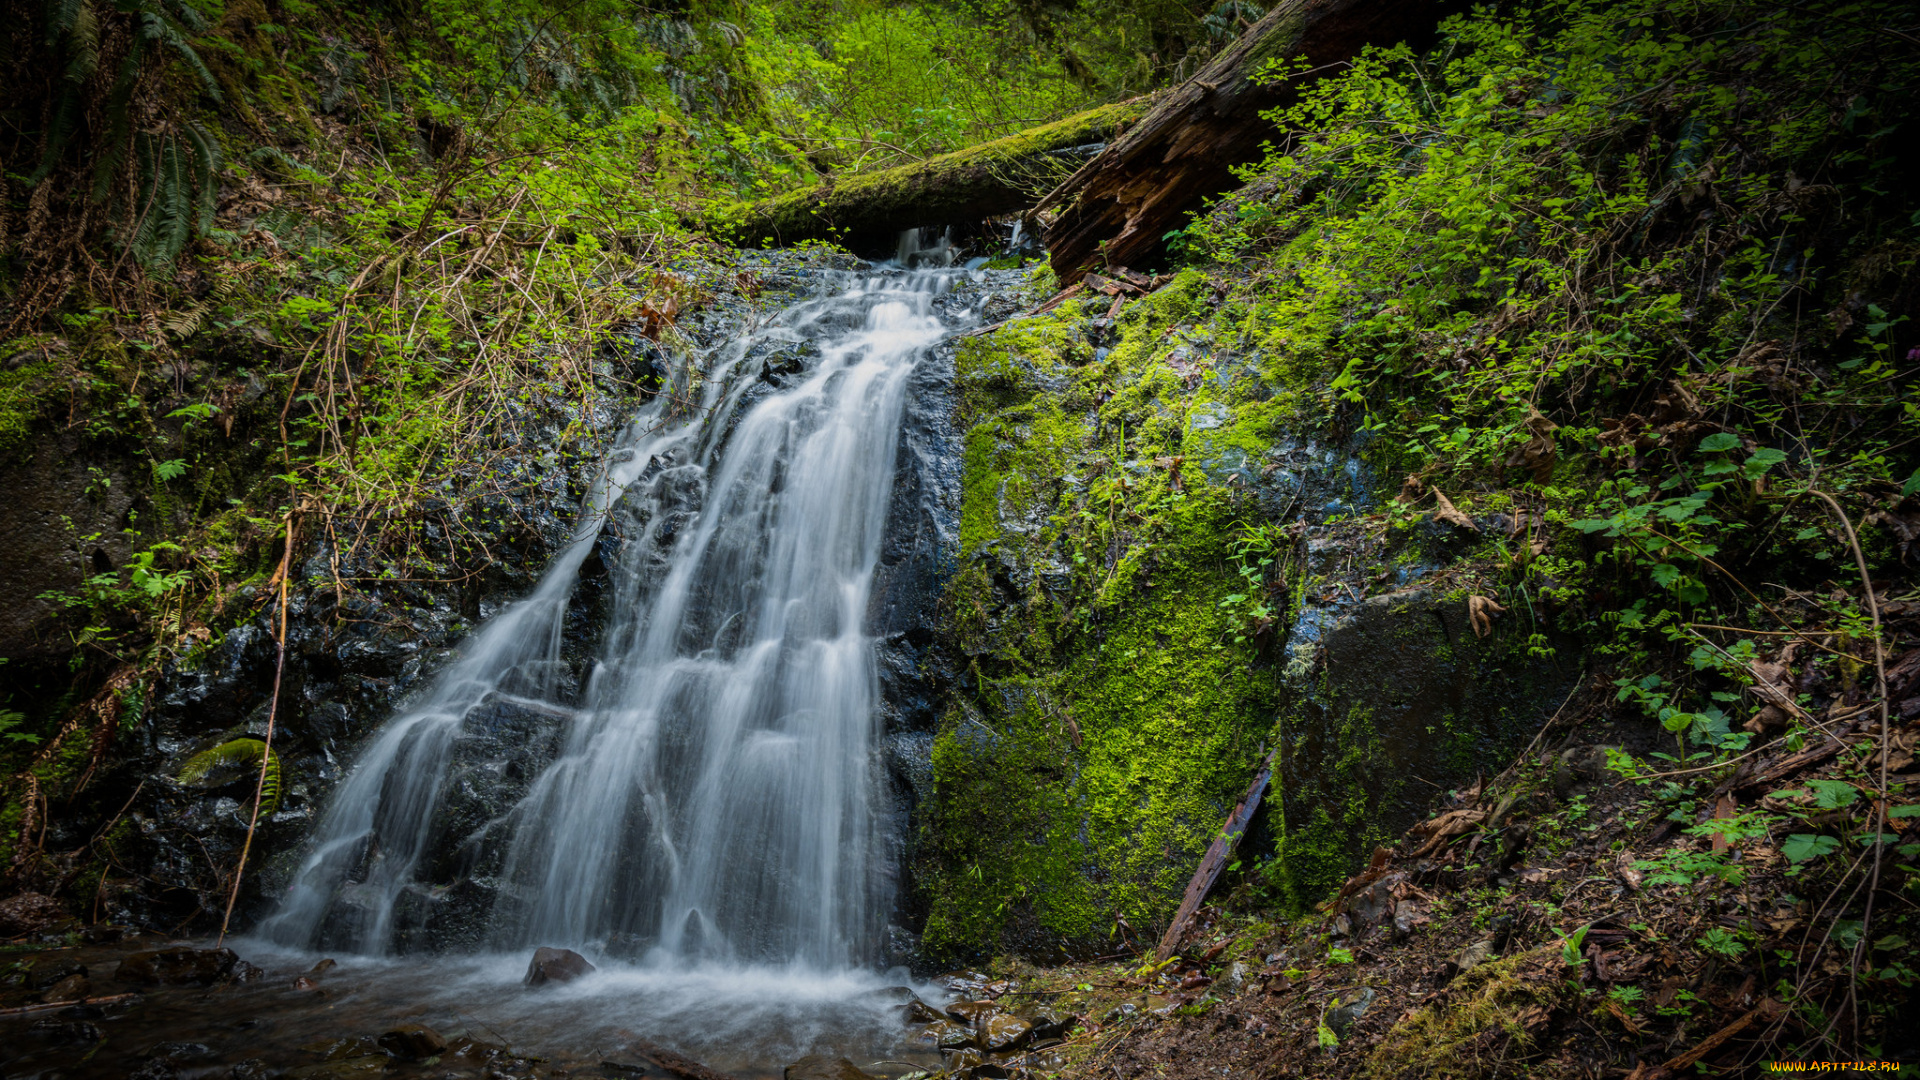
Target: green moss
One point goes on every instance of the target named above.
(23, 394)
(1109, 722)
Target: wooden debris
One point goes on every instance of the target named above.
(1120, 205)
(1215, 859)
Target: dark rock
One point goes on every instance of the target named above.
(1003, 1031)
(915, 1011)
(556, 965)
(972, 1012)
(822, 1067)
(177, 966)
(323, 966)
(1046, 1025)
(66, 1032)
(29, 913)
(413, 1042)
(71, 988)
(181, 1052)
(1341, 1018)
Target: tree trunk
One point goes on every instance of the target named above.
(1143, 184)
(867, 211)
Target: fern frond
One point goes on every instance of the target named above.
(113, 149)
(83, 45)
(189, 17)
(185, 323)
(140, 234)
(175, 201)
(155, 27)
(66, 120)
(206, 180)
(60, 18)
(231, 761)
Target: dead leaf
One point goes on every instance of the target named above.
(1450, 515)
(1623, 869)
(1480, 612)
(1538, 453)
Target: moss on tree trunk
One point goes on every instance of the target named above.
(866, 211)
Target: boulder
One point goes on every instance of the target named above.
(822, 1067)
(180, 965)
(556, 966)
(28, 913)
(1003, 1031)
(972, 1012)
(71, 988)
(413, 1042)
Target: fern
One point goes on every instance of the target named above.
(83, 45)
(228, 763)
(61, 17)
(207, 162)
(155, 27)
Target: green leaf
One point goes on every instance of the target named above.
(1833, 794)
(1803, 847)
(1907, 811)
(1718, 441)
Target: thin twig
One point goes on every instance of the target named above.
(1879, 804)
(266, 748)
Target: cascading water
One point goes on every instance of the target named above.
(712, 791)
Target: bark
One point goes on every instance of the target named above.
(1116, 209)
(1215, 860)
(867, 211)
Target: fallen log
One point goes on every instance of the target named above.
(867, 211)
(1142, 185)
(1215, 860)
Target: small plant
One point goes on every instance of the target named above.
(1722, 943)
(9, 722)
(1570, 948)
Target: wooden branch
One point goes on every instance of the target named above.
(867, 211)
(110, 999)
(1117, 208)
(1215, 859)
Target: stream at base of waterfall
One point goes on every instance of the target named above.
(700, 809)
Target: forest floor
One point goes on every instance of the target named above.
(1536, 925)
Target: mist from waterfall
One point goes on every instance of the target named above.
(713, 791)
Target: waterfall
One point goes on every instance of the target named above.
(711, 791)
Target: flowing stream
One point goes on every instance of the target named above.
(712, 795)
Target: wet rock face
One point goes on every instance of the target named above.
(1396, 686)
(60, 523)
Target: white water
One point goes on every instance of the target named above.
(715, 792)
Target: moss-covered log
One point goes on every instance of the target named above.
(866, 211)
(1137, 189)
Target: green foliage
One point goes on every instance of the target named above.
(1498, 258)
(231, 762)
(10, 722)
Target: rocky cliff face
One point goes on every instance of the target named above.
(1174, 561)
